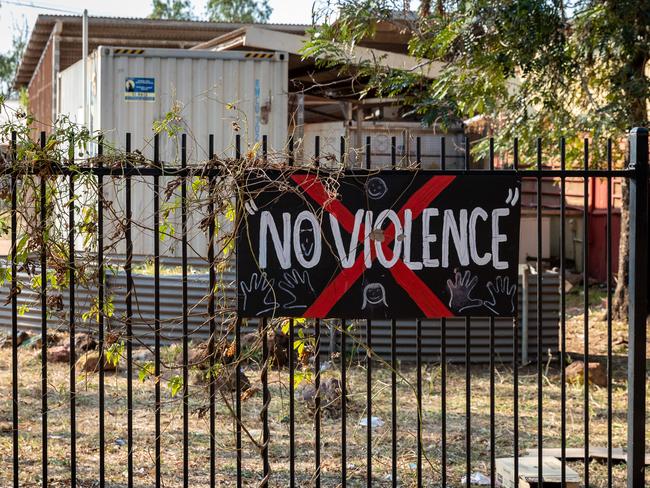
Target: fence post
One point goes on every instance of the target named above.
(638, 311)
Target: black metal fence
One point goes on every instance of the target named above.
(455, 419)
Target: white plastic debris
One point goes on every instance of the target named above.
(374, 422)
(476, 478)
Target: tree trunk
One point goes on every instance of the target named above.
(620, 298)
(639, 117)
(425, 8)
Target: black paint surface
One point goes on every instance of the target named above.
(377, 292)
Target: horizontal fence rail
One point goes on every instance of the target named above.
(129, 365)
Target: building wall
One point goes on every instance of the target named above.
(574, 223)
(380, 133)
(40, 91)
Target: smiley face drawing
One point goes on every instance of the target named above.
(374, 294)
(376, 188)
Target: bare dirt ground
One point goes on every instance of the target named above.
(199, 455)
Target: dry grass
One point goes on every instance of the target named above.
(87, 422)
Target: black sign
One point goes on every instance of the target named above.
(387, 244)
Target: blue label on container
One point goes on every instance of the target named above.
(140, 89)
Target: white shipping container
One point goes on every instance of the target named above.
(210, 93)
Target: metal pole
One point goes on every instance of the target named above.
(84, 56)
(638, 311)
(525, 298)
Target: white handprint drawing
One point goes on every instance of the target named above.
(461, 290)
(291, 283)
(261, 287)
(502, 296)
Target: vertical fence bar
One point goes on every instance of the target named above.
(43, 230)
(186, 413)
(393, 359)
(129, 316)
(238, 323)
(71, 364)
(418, 356)
(540, 396)
(563, 309)
(100, 311)
(266, 396)
(368, 374)
(638, 312)
(211, 317)
(540, 371)
(156, 304)
(515, 353)
(317, 326)
(14, 313)
(292, 409)
(468, 373)
(585, 280)
(238, 443)
(610, 370)
(344, 386)
(493, 440)
(443, 364)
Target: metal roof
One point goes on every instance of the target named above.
(262, 37)
(119, 31)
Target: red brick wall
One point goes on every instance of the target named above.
(40, 92)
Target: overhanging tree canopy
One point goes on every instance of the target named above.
(530, 67)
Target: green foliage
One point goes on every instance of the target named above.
(244, 11)
(145, 371)
(300, 376)
(93, 311)
(213, 372)
(10, 61)
(528, 67)
(175, 384)
(23, 97)
(302, 342)
(172, 123)
(172, 10)
(114, 352)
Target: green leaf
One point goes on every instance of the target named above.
(114, 353)
(230, 212)
(213, 371)
(175, 384)
(146, 370)
(300, 376)
(285, 327)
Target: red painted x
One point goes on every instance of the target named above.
(419, 292)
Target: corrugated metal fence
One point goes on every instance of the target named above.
(171, 316)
